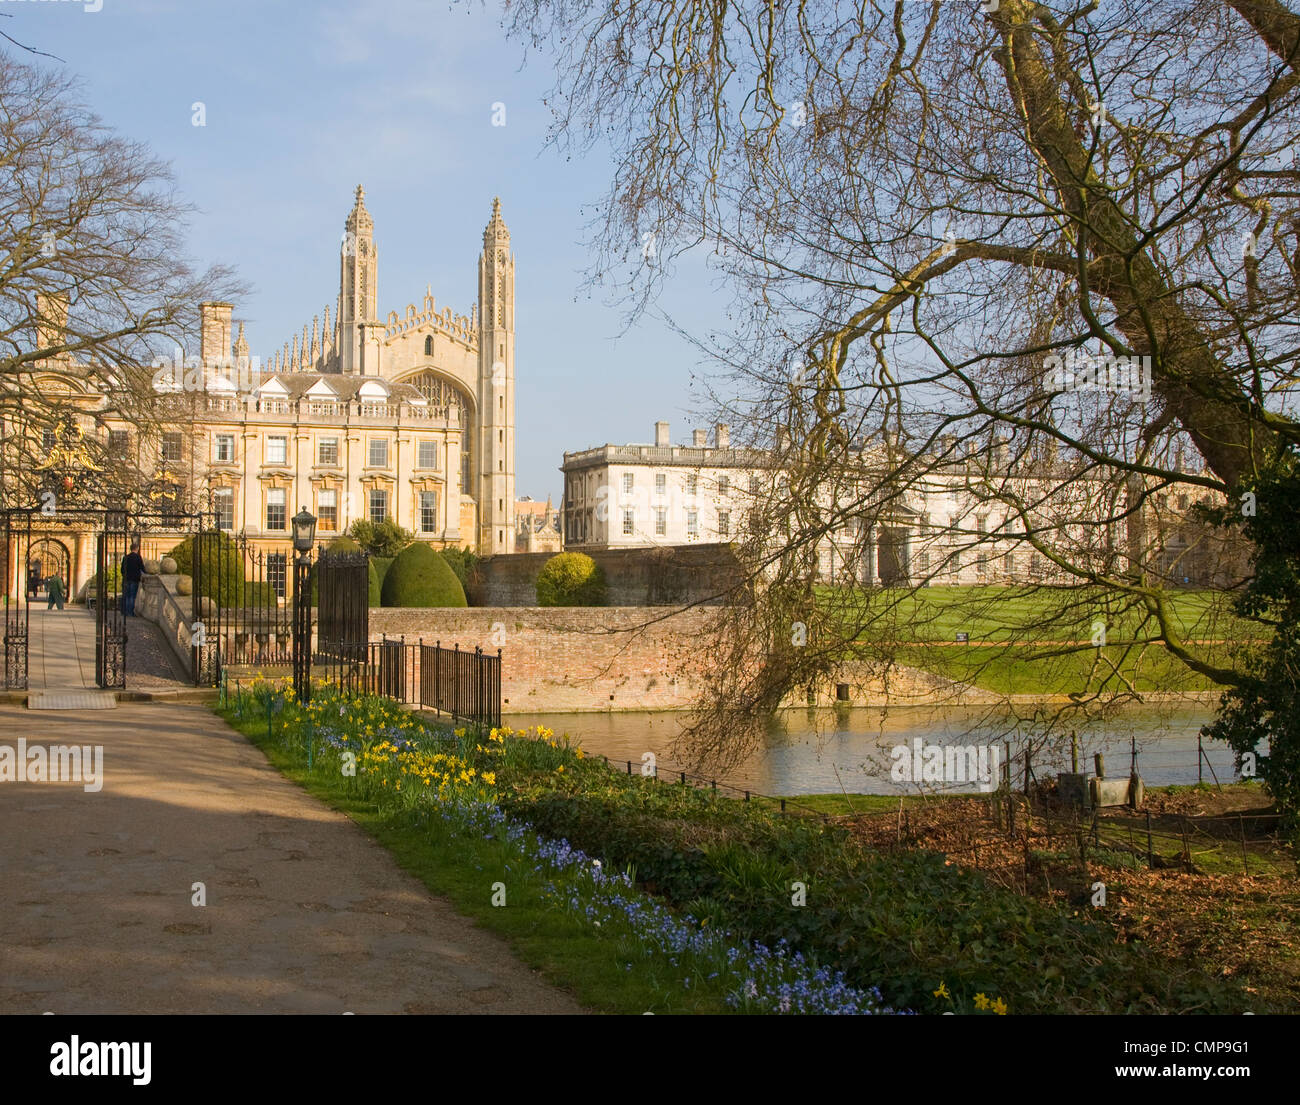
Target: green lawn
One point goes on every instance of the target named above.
(1039, 640)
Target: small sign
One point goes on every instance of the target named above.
(963, 638)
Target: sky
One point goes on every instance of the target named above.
(304, 101)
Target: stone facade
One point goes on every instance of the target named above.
(950, 525)
(409, 417)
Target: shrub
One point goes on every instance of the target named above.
(463, 562)
(384, 538)
(420, 577)
(223, 563)
(571, 579)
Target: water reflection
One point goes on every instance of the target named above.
(822, 751)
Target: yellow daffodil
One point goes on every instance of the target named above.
(981, 1002)
(942, 992)
(1000, 1007)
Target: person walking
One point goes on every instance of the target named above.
(33, 580)
(54, 588)
(132, 573)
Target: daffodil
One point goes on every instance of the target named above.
(981, 1002)
(942, 992)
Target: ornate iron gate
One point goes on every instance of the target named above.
(111, 600)
(16, 536)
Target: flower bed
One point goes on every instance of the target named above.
(445, 786)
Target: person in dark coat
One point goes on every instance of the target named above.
(132, 573)
(54, 588)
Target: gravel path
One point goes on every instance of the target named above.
(304, 913)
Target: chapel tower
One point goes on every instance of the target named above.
(358, 280)
(495, 488)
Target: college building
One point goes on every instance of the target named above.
(408, 417)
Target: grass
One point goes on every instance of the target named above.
(713, 881)
(584, 926)
(566, 952)
(1038, 640)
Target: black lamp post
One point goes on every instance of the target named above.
(304, 536)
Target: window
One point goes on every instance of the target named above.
(426, 454)
(724, 485)
(378, 505)
(661, 522)
(277, 450)
(661, 483)
(119, 441)
(1009, 564)
(171, 447)
(379, 452)
(223, 505)
(753, 485)
(923, 561)
(48, 439)
(276, 572)
(692, 484)
(629, 523)
(327, 451)
(428, 346)
(275, 509)
(627, 483)
(327, 510)
(692, 523)
(428, 511)
(724, 523)
(223, 448)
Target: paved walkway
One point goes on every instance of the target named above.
(304, 914)
(61, 648)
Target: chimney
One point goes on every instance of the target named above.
(51, 319)
(722, 436)
(661, 434)
(700, 439)
(214, 332)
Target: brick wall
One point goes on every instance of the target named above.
(670, 576)
(571, 659)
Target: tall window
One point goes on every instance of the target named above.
(753, 485)
(223, 448)
(426, 454)
(379, 452)
(327, 451)
(277, 450)
(724, 523)
(428, 346)
(627, 483)
(171, 447)
(629, 523)
(428, 511)
(692, 523)
(223, 504)
(661, 483)
(119, 442)
(277, 572)
(327, 510)
(378, 505)
(661, 522)
(724, 485)
(276, 517)
(692, 484)
(48, 439)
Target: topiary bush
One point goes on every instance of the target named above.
(571, 579)
(420, 577)
(223, 563)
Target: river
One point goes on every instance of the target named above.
(826, 751)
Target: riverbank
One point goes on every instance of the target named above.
(931, 936)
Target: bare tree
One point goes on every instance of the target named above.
(94, 284)
(919, 206)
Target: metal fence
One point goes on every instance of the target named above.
(456, 682)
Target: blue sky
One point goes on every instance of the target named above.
(303, 102)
